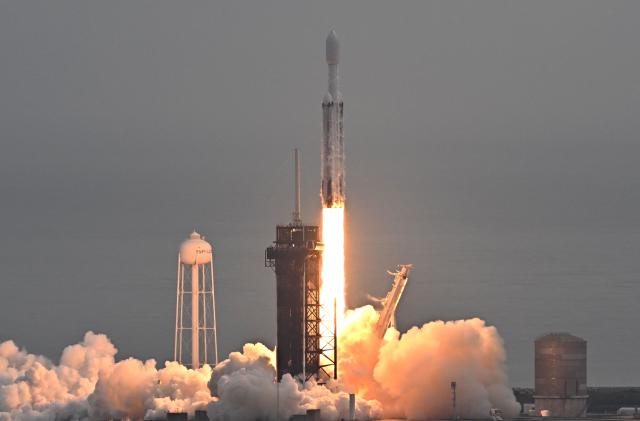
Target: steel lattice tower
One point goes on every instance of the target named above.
(296, 257)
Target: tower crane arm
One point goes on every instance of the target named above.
(388, 312)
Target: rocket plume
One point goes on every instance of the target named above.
(332, 294)
(332, 290)
(333, 279)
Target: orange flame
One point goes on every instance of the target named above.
(333, 286)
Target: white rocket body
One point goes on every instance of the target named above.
(332, 171)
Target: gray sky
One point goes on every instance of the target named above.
(494, 144)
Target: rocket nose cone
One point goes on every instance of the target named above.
(333, 48)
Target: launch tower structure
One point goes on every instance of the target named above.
(196, 338)
(296, 257)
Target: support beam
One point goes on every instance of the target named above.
(195, 336)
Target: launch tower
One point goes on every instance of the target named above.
(296, 257)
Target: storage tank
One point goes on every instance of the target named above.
(561, 375)
(195, 250)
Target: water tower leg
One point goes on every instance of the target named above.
(213, 311)
(175, 336)
(181, 324)
(195, 335)
(205, 332)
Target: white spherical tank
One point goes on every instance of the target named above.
(195, 250)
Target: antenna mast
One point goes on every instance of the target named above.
(296, 205)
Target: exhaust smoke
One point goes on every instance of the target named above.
(398, 375)
(410, 373)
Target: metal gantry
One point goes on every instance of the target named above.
(305, 345)
(296, 259)
(320, 346)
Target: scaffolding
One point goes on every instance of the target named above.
(321, 351)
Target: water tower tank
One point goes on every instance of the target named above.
(561, 374)
(195, 249)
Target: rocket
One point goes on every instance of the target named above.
(332, 167)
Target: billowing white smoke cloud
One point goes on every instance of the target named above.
(245, 385)
(400, 375)
(133, 389)
(88, 384)
(31, 387)
(411, 374)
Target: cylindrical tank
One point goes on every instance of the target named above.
(560, 366)
(195, 250)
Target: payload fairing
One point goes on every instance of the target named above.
(332, 169)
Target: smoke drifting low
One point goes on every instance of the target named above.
(411, 373)
(400, 375)
(88, 384)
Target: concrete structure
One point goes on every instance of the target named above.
(199, 415)
(195, 328)
(177, 416)
(561, 375)
(311, 415)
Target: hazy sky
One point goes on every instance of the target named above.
(493, 144)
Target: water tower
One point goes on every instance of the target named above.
(196, 340)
